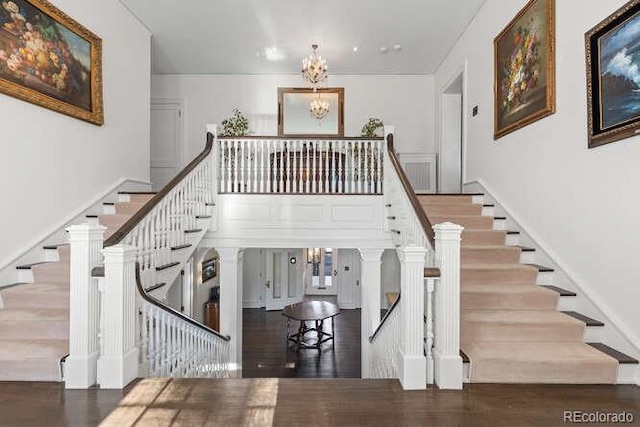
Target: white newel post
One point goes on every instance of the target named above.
(370, 269)
(231, 302)
(118, 362)
(86, 244)
(413, 364)
(447, 360)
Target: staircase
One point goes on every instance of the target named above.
(34, 318)
(511, 330)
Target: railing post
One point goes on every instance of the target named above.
(118, 362)
(448, 363)
(231, 301)
(413, 364)
(370, 295)
(80, 367)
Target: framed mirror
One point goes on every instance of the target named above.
(295, 118)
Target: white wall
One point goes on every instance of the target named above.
(403, 101)
(51, 165)
(582, 204)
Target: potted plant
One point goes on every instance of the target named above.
(373, 128)
(236, 125)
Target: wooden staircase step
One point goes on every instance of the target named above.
(469, 222)
(587, 320)
(194, 230)
(30, 266)
(166, 266)
(560, 291)
(519, 326)
(497, 274)
(156, 286)
(178, 247)
(31, 359)
(542, 268)
(619, 356)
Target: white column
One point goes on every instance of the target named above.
(446, 353)
(118, 362)
(413, 364)
(370, 295)
(80, 367)
(231, 301)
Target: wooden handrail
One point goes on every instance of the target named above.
(384, 319)
(408, 189)
(306, 138)
(145, 296)
(117, 237)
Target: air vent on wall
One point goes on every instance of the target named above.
(420, 168)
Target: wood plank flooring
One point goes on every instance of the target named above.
(265, 352)
(308, 402)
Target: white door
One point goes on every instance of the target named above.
(166, 141)
(282, 278)
(347, 280)
(322, 267)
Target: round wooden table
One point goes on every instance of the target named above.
(310, 311)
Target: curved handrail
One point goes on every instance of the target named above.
(408, 189)
(386, 315)
(120, 234)
(145, 296)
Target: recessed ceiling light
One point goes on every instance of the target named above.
(384, 49)
(355, 48)
(397, 47)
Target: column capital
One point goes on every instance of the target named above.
(447, 231)
(230, 254)
(86, 231)
(371, 255)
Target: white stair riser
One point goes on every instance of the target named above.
(25, 276)
(478, 200)
(488, 211)
(513, 239)
(545, 278)
(499, 224)
(108, 209)
(527, 257)
(629, 373)
(593, 334)
(567, 304)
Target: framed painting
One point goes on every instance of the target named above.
(524, 64)
(49, 59)
(613, 76)
(295, 119)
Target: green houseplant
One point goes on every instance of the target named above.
(236, 125)
(373, 128)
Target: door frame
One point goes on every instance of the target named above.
(179, 104)
(461, 72)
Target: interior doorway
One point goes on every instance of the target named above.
(321, 271)
(451, 154)
(166, 141)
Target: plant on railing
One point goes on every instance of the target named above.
(373, 128)
(236, 125)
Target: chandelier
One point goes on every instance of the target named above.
(314, 68)
(319, 108)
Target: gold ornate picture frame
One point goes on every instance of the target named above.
(49, 59)
(524, 64)
(613, 76)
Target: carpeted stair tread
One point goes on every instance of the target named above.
(483, 237)
(51, 272)
(469, 222)
(539, 362)
(445, 198)
(498, 254)
(52, 295)
(34, 323)
(34, 314)
(519, 325)
(128, 208)
(507, 297)
(431, 208)
(497, 273)
(33, 349)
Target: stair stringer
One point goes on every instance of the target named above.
(614, 333)
(34, 252)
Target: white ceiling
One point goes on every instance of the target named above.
(237, 36)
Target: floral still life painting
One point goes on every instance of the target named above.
(524, 68)
(49, 59)
(613, 76)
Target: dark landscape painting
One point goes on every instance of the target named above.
(619, 60)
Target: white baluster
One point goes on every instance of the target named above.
(430, 284)
(254, 158)
(262, 144)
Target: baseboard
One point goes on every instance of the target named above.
(76, 216)
(252, 304)
(609, 317)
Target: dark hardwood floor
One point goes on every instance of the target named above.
(307, 402)
(265, 352)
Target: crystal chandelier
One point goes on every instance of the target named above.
(314, 68)
(319, 108)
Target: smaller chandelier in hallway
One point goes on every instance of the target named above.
(319, 108)
(314, 68)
